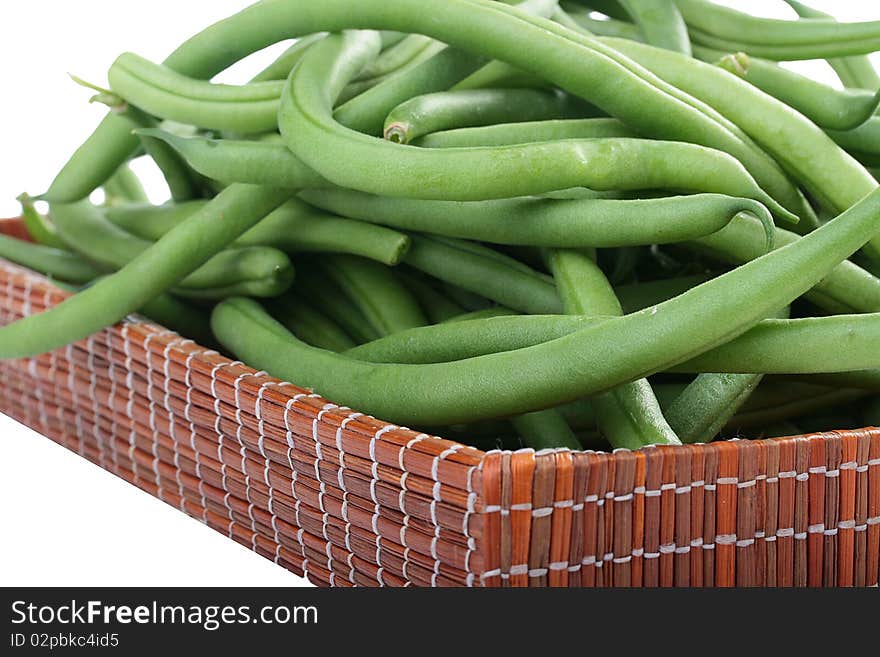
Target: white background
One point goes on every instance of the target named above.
(66, 522)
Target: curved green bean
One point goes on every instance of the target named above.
(855, 72)
(549, 222)
(480, 174)
(37, 226)
(806, 39)
(280, 69)
(125, 187)
(826, 107)
(252, 162)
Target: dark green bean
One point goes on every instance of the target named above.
(327, 297)
(545, 430)
(436, 306)
(384, 300)
(309, 324)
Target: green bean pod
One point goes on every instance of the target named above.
(500, 75)
(229, 160)
(49, 261)
(39, 228)
(383, 299)
(863, 142)
(578, 365)
(825, 106)
(159, 268)
(328, 298)
(545, 430)
(309, 324)
(295, 227)
(480, 174)
(507, 134)
(629, 416)
(661, 22)
(803, 39)
(848, 288)
(484, 272)
(255, 271)
(124, 186)
(548, 222)
(282, 66)
(436, 306)
(855, 72)
(430, 113)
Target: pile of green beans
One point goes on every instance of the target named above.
(513, 224)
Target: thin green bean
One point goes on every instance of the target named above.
(661, 22)
(125, 187)
(309, 324)
(551, 223)
(49, 261)
(507, 134)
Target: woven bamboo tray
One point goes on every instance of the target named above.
(348, 500)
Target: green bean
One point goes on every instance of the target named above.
(395, 57)
(500, 75)
(825, 106)
(293, 228)
(38, 227)
(159, 268)
(385, 302)
(280, 69)
(628, 416)
(855, 72)
(825, 170)
(484, 272)
(436, 306)
(589, 361)
(309, 324)
(773, 346)
(366, 113)
(661, 22)
(848, 286)
(490, 29)
(47, 260)
(124, 186)
(327, 297)
(152, 222)
(638, 296)
(545, 430)
(507, 134)
(423, 115)
(550, 223)
(610, 27)
(250, 108)
(180, 316)
(479, 174)
(254, 271)
(486, 313)
(708, 405)
(863, 142)
(229, 160)
(803, 39)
